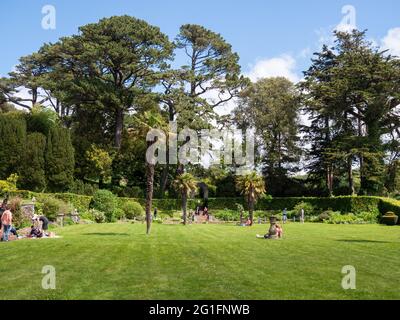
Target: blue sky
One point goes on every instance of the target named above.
(271, 37)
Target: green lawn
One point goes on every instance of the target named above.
(118, 261)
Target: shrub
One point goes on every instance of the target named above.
(368, 217)
(19, 219)
(86, 215)
(80, 187)
(338, 218)
(9, 185)
(314, 219)
(97, 216)
(80, 202)
(106, 202)
(51, 207)
(227, 215)
(389, 205)
(390, 219)
(307, 207)
(132, 209)
(325, 215)
(158, 221)
(167, 213)
(110, 215)
(68, 221)
(118, 214)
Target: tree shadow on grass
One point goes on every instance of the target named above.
(108, 234)
(363, 241)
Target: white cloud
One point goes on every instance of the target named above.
(391, 42)
(282, 66)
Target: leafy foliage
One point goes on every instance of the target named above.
(60, 161)
(34, 175)
(132, 209)
(51, 207)
(105, 201)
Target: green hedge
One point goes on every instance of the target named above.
(344, 204)
(25, 194)
(80, 202)
(389, 205)
(162, 204)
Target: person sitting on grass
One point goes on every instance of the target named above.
(35, 232)
(274, 232)
(42, 223)
(279, 231)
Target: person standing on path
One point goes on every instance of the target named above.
(284, 217)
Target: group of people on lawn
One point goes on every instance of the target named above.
(201, 212)
(39, 228)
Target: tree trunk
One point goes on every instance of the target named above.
(164, 181)
(164, 176)
(149, 190)
(350, 174)
(149, 195)
(362, 173)
(119, 126)
(184, 207)
(329, 180)
(280, 152)
(34, 96)
(251, 210)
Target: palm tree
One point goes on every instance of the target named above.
(252, 186)
(186, 184)
(143, 123)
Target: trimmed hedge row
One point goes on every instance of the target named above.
(78, 201)
(389, 205)
(344, 204)
(25, 194)
(162, 204)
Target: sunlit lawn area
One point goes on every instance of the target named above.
(118, 261)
